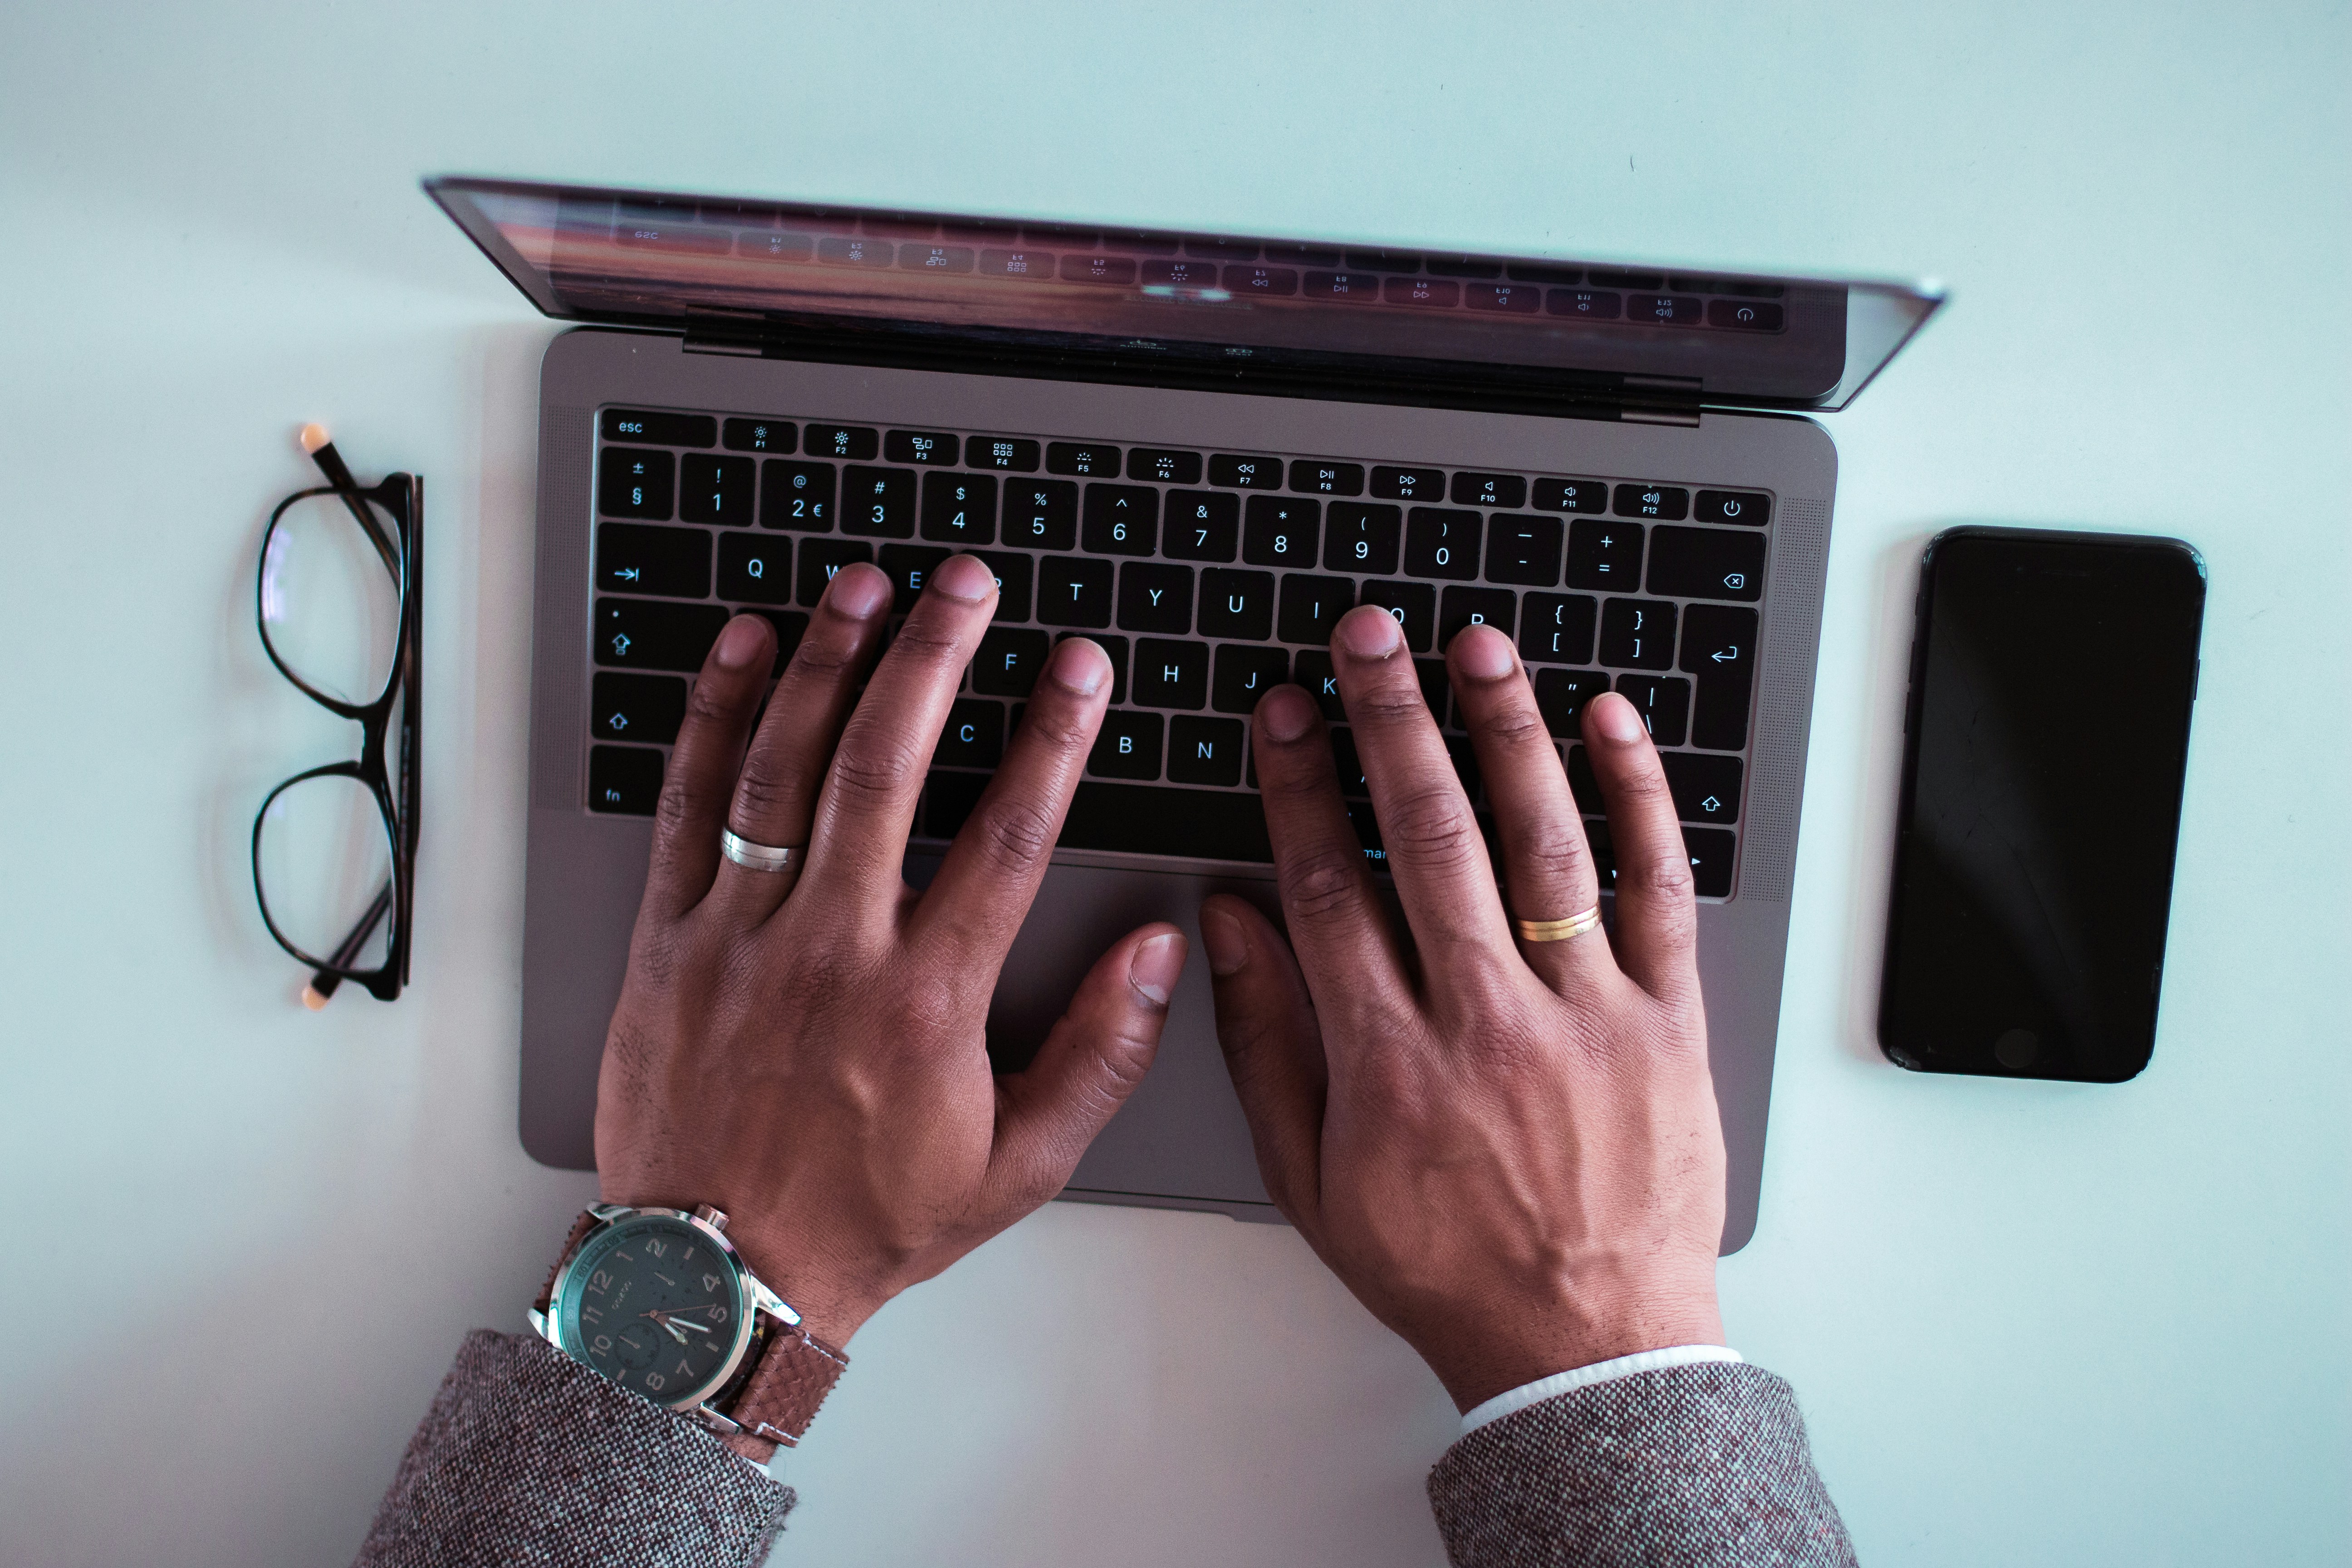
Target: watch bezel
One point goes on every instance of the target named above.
(748, 1289)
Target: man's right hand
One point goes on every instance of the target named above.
(1507, 1150)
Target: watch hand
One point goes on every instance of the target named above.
(682, 1323)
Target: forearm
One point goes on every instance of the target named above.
(1692, 1466)
(526, 1456)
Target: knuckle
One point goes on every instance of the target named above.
(1432, 826)
(1549, 851)
(873, 770)
(1645, 788)
(1015, 834)
(709, 704)
(1059, 723)
(1388, 705)
(1517, 728)
(677, 800)
(769, 786)
(926, 639)
(1323, 883)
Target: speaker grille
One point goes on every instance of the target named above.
(559, 611)
(1797, 570)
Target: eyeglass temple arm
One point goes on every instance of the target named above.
(339, 474)
(323, 983)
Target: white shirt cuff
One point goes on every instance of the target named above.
(1560, 1383)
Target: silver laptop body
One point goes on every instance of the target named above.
(1357, 427)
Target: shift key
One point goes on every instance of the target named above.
(649, 634)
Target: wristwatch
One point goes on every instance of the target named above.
(657, 1300)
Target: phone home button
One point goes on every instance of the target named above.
(2016, 1049)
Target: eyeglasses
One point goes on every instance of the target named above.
(339, 607)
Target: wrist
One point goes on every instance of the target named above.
(1477, 1359)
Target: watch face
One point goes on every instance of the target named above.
(653, 1305)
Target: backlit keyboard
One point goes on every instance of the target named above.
(1207, 576)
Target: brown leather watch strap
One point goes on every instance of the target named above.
(796, 1371)
(579, 1229)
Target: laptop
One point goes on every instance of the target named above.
(1198, 449)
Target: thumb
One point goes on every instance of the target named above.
(1049, 1111)
(1273, 1049)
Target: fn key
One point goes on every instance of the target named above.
(625, 780)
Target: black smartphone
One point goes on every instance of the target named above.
(2046, 740)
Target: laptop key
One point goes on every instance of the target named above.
(1705, 563)
(1413, 606)
(1662, 501)
(1712, 852)
(632, 481)
(908, 567)
(1245, 473)
(660, 429)
(1114, 649)
(1245, 672)
(1637, 632)
(1719, 648)
(1311, 606)
(1349, 764)
(1409, 484)
(1127, 747)
(632, 558)
(878, 502)
(791, 626)
(1557, 628)
(1560, 697)
(715, 489)
(1143, 819)
(1009, 660)
(1362, 536)
(755, 568)
(761, 435)
(1706, 785)
(959, 508)
(1155, 597)
(1495, 607)
(1663, 703)
(974, 736)
(1163, 466)
(651, 634)
(1012, 573)
(1570, 495)
(623, 780)
(1327, 479)
(1008, 454)
(1523, 548)
(1237, 604)
(820, 559)
(1171, 674)
(1074, 592)
(1202, 525)
(647, 709)
(1280, 532)
(1204, 751)
(1042, 514)
(1604, 556)
(796, 495)
(1122, 519)
(1313, 670)
(1092, 461)
(924, 447)
(853, 442)
(1749, 507)
(1505, 490)
(1441, 543)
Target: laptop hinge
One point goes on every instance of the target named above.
(743, 332)
(1685, 418)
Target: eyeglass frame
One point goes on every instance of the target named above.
(402, 497)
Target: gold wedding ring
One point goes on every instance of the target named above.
(1559, 931)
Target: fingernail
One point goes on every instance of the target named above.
(857, 590)
(1155, 965)
(1615, 718)
(965, 577)
(1287, 712)
(740, 644)
(1370, 632)
(1484, 653)
(1079, 664)
(1221, 935)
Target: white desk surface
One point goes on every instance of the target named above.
(2030, 1323)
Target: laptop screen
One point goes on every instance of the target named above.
(1576, 329)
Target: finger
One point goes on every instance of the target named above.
(1657, 920)
(975, 905)
(858, 837)
(1273, 1050)
(775, 793)
(1546, 864)
(1048, 1112)
(1435, 847)
(1346, 949)
(703, 763)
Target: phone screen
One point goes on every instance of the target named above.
(2047, 738)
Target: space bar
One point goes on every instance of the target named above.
(1141, 819)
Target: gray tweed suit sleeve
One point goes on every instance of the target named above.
(1680, 1468)
(527, 1457)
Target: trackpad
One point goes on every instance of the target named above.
(1181, 1135)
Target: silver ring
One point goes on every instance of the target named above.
(759, 857)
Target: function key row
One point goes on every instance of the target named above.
(1156, 465)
